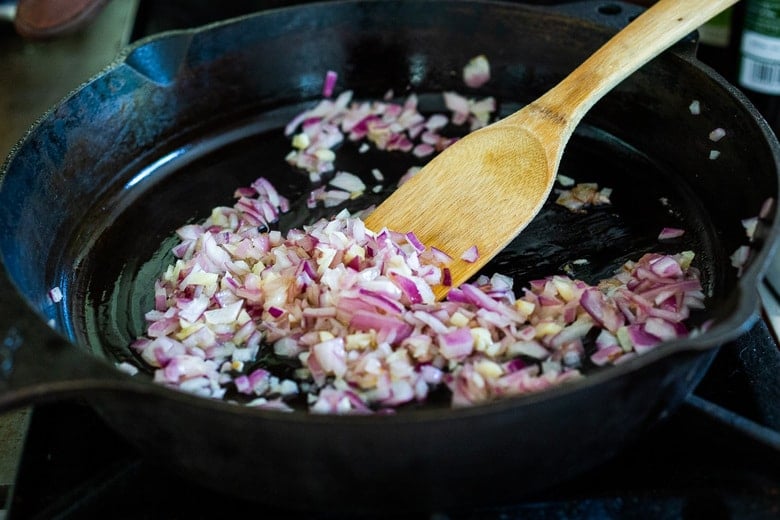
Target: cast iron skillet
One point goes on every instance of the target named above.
(90, 198)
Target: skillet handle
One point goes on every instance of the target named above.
(38, 364)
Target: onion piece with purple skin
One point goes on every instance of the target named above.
(476, 72)
(669, 233)
(55, 295)
(470, 255)
(329, 84)
(317, 132)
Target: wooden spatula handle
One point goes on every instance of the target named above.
(483, 190)
(655, 30)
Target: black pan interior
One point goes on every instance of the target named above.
(132, 243)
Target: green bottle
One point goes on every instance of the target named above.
(759, 69)
(759, 60)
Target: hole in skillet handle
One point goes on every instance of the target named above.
(38, 364)
(612, 14)
(615, 15)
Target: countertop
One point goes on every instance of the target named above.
(33, 77)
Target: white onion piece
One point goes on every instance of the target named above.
(127, 368)
(564, 180)
(750, 225)
(741, 255)
(348, 182)
(476, 72)
(717, 134)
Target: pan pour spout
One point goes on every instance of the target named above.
(161, 60)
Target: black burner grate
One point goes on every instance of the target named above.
(717, 457)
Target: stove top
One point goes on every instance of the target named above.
(716, 457)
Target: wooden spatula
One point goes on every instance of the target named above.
(483, 190)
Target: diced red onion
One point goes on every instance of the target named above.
(55, 294)
(276, 312)
(329, 84)
(457, 104)
(641, 340)
(386, 125)
(669, 233)
(740, 257)
(415, 242)
(476, 72)
(528, 348)
(423, 150)
(583, 195)
(456, 344)
(356, 309)
(470, 255)
(766, 208)
(663, 329)
(606, 355)
(331, 356)
(599, 308)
